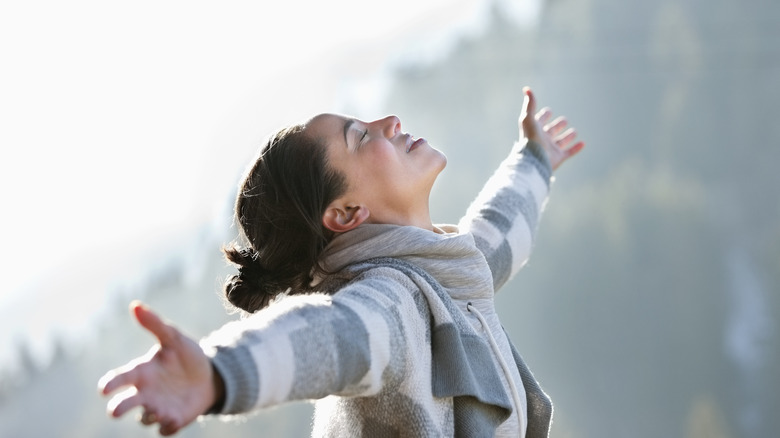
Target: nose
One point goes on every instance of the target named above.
(391, 125)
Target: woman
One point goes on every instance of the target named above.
(389, 320)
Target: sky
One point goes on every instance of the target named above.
(122, 123)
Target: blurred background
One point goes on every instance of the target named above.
(649, 308)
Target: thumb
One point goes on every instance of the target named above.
(165, 334)
(529, 103)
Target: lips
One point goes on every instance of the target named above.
(415, 144)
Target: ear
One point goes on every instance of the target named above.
(340, 218)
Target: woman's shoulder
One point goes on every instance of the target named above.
(385, 276)
(375, 271)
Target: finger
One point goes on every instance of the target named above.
(117, 378)
(565, 137)
(568, 153)
(556, 126)
(529, 101)
(574, 150)
(113, 380)
(149, 320)
(168, 428)
(148, 418)
(544, 115)
(124, 401)
(130, 374)
(526, 120)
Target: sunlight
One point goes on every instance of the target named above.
(126, 123)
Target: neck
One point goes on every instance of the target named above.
(420, 220)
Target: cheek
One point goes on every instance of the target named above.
(373, 173)
(382, 162)
(384, 154)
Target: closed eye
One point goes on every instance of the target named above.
(362, 139)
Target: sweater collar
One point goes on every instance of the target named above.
(451, 257)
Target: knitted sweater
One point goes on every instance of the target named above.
(403, 340)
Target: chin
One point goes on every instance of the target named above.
(443, 160)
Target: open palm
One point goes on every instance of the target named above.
(554, 136)
(173, 382)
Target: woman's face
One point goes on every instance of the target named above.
(388, 171)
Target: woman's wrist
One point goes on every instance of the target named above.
(218, 386)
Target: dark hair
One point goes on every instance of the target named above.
(279, 210)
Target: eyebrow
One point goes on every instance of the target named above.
(347, 125)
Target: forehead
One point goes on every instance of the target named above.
(329, 127)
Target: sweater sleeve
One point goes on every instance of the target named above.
(504, 216)
(311, 346)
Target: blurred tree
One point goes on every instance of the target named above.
(627, 304)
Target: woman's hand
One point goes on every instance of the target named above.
(553, 136)
(174, 382)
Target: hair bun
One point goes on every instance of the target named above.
(248, 290)
(249, 269)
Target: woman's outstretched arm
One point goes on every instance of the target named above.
(174, 382)
(303, 347)
(504, 216)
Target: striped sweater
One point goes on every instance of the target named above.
(404, 339)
